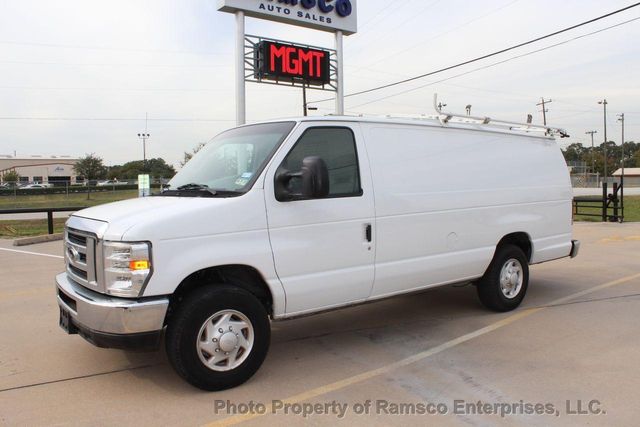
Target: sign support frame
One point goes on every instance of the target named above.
(241, 91)
(242, 8)
(340, 69)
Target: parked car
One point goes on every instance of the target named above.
(284, 219)
(110, 183)
(35, 186)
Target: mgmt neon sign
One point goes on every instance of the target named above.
(281, 61)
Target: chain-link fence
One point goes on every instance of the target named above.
(20, 188)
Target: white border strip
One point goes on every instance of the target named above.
(31, 253)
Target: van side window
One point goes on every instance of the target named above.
(337, 147)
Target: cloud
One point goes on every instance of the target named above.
(173, 60)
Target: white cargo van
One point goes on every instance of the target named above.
(282, 219)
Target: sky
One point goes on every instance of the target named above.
(80, 76)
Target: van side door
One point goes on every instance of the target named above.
(323, 248)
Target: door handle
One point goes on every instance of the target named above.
(368, 232)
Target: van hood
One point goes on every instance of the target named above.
(158, 217)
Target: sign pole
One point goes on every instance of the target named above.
(241, 108)
(340, 57)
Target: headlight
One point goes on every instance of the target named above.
(127, 267)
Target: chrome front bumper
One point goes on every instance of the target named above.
(96, 313)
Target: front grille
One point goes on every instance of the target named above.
(78, 272)
(77, 239)
(80, 257)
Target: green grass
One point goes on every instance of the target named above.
(36, 227)
(23, 228)
(631, 211)
(63, 200)
(29, 227)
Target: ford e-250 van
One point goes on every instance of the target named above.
(282, 219)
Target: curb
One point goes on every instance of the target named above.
(38, 239)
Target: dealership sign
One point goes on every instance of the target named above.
(287, 62)
(325, 15)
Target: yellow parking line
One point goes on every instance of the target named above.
(319, 391)
(10, 295)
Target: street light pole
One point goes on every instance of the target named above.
(621, 120)
(305, 106)
(604, 104)
(144, 136)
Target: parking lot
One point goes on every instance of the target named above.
(572, 347)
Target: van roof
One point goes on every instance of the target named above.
(501, 127)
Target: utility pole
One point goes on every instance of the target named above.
(544, 108)
(604, 104)
(593, 163)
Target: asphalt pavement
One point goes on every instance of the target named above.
(570, 355)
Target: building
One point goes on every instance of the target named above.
(631, 176)
(40, 169)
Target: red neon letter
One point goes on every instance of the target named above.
(292, 65)
(306, 58)
(277, 52)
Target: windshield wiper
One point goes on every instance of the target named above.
(192, 187)
(201, 190)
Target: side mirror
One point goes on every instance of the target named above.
(314, 184)
(315, 178)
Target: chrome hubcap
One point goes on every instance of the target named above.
(511, 278)
(225, 340)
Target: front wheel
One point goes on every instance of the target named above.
(218, 337)
(504, 284)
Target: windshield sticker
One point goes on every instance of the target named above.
(247, 175)
(241, 182)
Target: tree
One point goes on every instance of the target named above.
(188, 156)
(636, 160)
(11, 176)
(574, 152)
(157, 168)
(578, 152)
(90, 167)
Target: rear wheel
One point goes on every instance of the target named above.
(218, 337)
(504, 285)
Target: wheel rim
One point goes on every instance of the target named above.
(225, 340)
(511, 278)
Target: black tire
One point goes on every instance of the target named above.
(183, 335)
(489, 287)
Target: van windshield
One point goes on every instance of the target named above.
(231, 162)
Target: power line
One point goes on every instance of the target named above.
(110, 119)
(124, 89)
(375, 16)
(470, 61)
(484, 67)
(124, 49)
(405, 21)
(86, 64)
(400, 52)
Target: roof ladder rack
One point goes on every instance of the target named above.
(446, 117)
